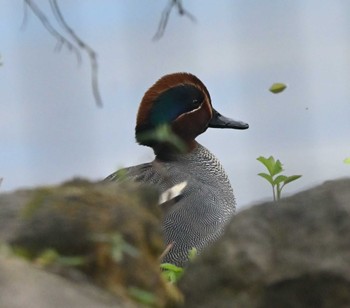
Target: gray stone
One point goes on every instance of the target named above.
(22, 285)
(294, 253)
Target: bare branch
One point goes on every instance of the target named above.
(165, 16)
(166, 250)
(75, 44)
(91, 53)
(25, 14)
(68, 42)
(61, 40)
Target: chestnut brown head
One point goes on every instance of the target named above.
(181, 102)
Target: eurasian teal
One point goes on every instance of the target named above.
(196, 195)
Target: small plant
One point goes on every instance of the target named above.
(51, 256)
(277, 181)
(173, 273)
(117, 245)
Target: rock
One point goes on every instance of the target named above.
(294, 253)
(22, 285)
(107, 233)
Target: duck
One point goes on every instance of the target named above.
(196, 196)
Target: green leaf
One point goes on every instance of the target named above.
(267, 177)
(170, 276)
(172, 272)
(142, 296)
(280, 179)
(51, 256)
(47, 257)
(72, 261)
(277, 87)
(269, 163)
(347, 160)
(171, 267)
(118, 246)
(192, 254)
(291, 179)
(277, 168)
(164, 133)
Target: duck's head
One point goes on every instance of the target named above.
(181, 102)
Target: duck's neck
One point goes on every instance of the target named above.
(167, 152)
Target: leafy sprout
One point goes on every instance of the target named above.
(277, 180)
(51, 256)
(117, 244)
(173, 273)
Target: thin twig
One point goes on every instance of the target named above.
(166, 250)
(91, 53)
(64, 41)
(25, 14)
(165, 16)
(61, 40)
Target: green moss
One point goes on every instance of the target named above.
(36, 202)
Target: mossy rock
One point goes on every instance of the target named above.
(113, 229)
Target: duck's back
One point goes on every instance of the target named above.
(196, 216)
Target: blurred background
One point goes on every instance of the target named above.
(52, 129)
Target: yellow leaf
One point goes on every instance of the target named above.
(277, 87)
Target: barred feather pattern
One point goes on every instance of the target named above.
(198, 216)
